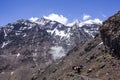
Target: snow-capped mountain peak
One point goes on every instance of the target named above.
(89, 26)
(40, 21)
(87, 22)
(76, 22)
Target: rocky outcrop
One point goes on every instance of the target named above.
(110, 34)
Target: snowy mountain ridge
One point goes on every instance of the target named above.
(34, 45)
(54, 28)
(92, 24)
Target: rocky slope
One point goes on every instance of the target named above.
(98, 60)
(28, 47)
(110, 33)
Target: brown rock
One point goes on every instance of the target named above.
(110, 34)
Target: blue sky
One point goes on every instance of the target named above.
(12, 10)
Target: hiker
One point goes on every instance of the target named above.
(80, 67)
(77, 68)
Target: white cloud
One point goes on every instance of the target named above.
(103, 15)
(57, 52)
(86, 16)
(33, 19)
(96, 20)
(58, 18)
(91, 21)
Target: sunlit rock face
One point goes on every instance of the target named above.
(110, 33)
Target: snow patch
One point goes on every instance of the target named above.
(42, 21)
(5, 34)
(59, 33)
(17, 33)
(24, 35)
(29, 27)
(53, 22)
(4, 44)
(18, 55)
(23, 28)
(11, 27)
(101, 43)
(90, 33)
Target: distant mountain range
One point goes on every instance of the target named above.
(29, 46)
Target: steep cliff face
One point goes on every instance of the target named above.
(110, 34)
